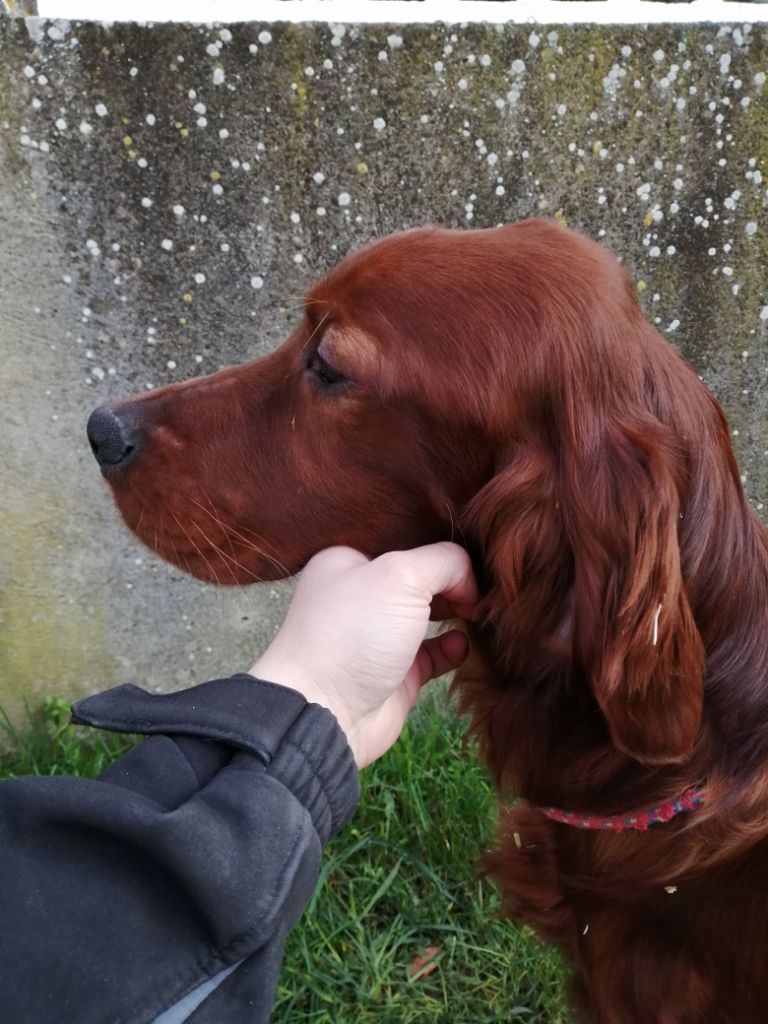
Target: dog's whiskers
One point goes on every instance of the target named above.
(230, 558)
(240, 535)
(196, 547)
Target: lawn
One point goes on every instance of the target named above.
(400, 930)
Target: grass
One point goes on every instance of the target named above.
(400, 929)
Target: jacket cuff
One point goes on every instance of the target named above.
(244, 712)
(315, 762)
(301, 744)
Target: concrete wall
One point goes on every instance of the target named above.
(168, 192)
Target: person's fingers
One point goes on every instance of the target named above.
(445, 570)
(438, 655)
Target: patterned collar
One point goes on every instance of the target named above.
(690, 800)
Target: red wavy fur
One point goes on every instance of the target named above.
(503, 388)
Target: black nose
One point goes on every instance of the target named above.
(111, 441)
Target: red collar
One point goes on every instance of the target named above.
(690, 800)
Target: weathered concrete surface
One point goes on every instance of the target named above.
(167, 192)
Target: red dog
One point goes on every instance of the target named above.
(502, 387)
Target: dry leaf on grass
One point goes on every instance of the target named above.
(423, 965)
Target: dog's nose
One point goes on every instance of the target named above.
(111, 440)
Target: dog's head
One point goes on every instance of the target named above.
(498, 386)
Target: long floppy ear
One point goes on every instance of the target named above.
(583, 548)
(634, 631)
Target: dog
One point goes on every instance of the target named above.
(503, 388)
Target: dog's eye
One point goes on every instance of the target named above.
(327, 376)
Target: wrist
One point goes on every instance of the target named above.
(287, 672)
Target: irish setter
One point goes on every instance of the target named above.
(501, 387)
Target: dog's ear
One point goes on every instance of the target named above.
(582, 545)
(634, 631)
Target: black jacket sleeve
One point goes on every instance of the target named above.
(196, 851)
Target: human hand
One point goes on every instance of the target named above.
(353, 639)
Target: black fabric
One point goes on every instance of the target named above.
(197, 849)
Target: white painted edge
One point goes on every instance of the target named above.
(516, 12)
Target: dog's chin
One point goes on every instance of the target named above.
(223, 566)
(223, 570)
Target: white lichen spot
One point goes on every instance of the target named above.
(146, 202)
(225, 35)
(518, 67)
(295, 218)
(166, 244)
(379, 124)
(764, 313)
(29, 71)
(759, 78)
(344, 199)
(462, 84)
(217, 189)
(751, 228)
(439, 66)
(218, 76)
(533, 40)
(500, 190)
(171, 364)
(85, 128)
(223, 133)
(212, 49)
(101, 110)
(257, 282)
(485, 60)
(202, 122)
(199, 278)
(179, 210)
(298, 258)
(133, 72)
(394, 42)
(658, 56)
(725, 63)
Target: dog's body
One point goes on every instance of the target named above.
(504, 384)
